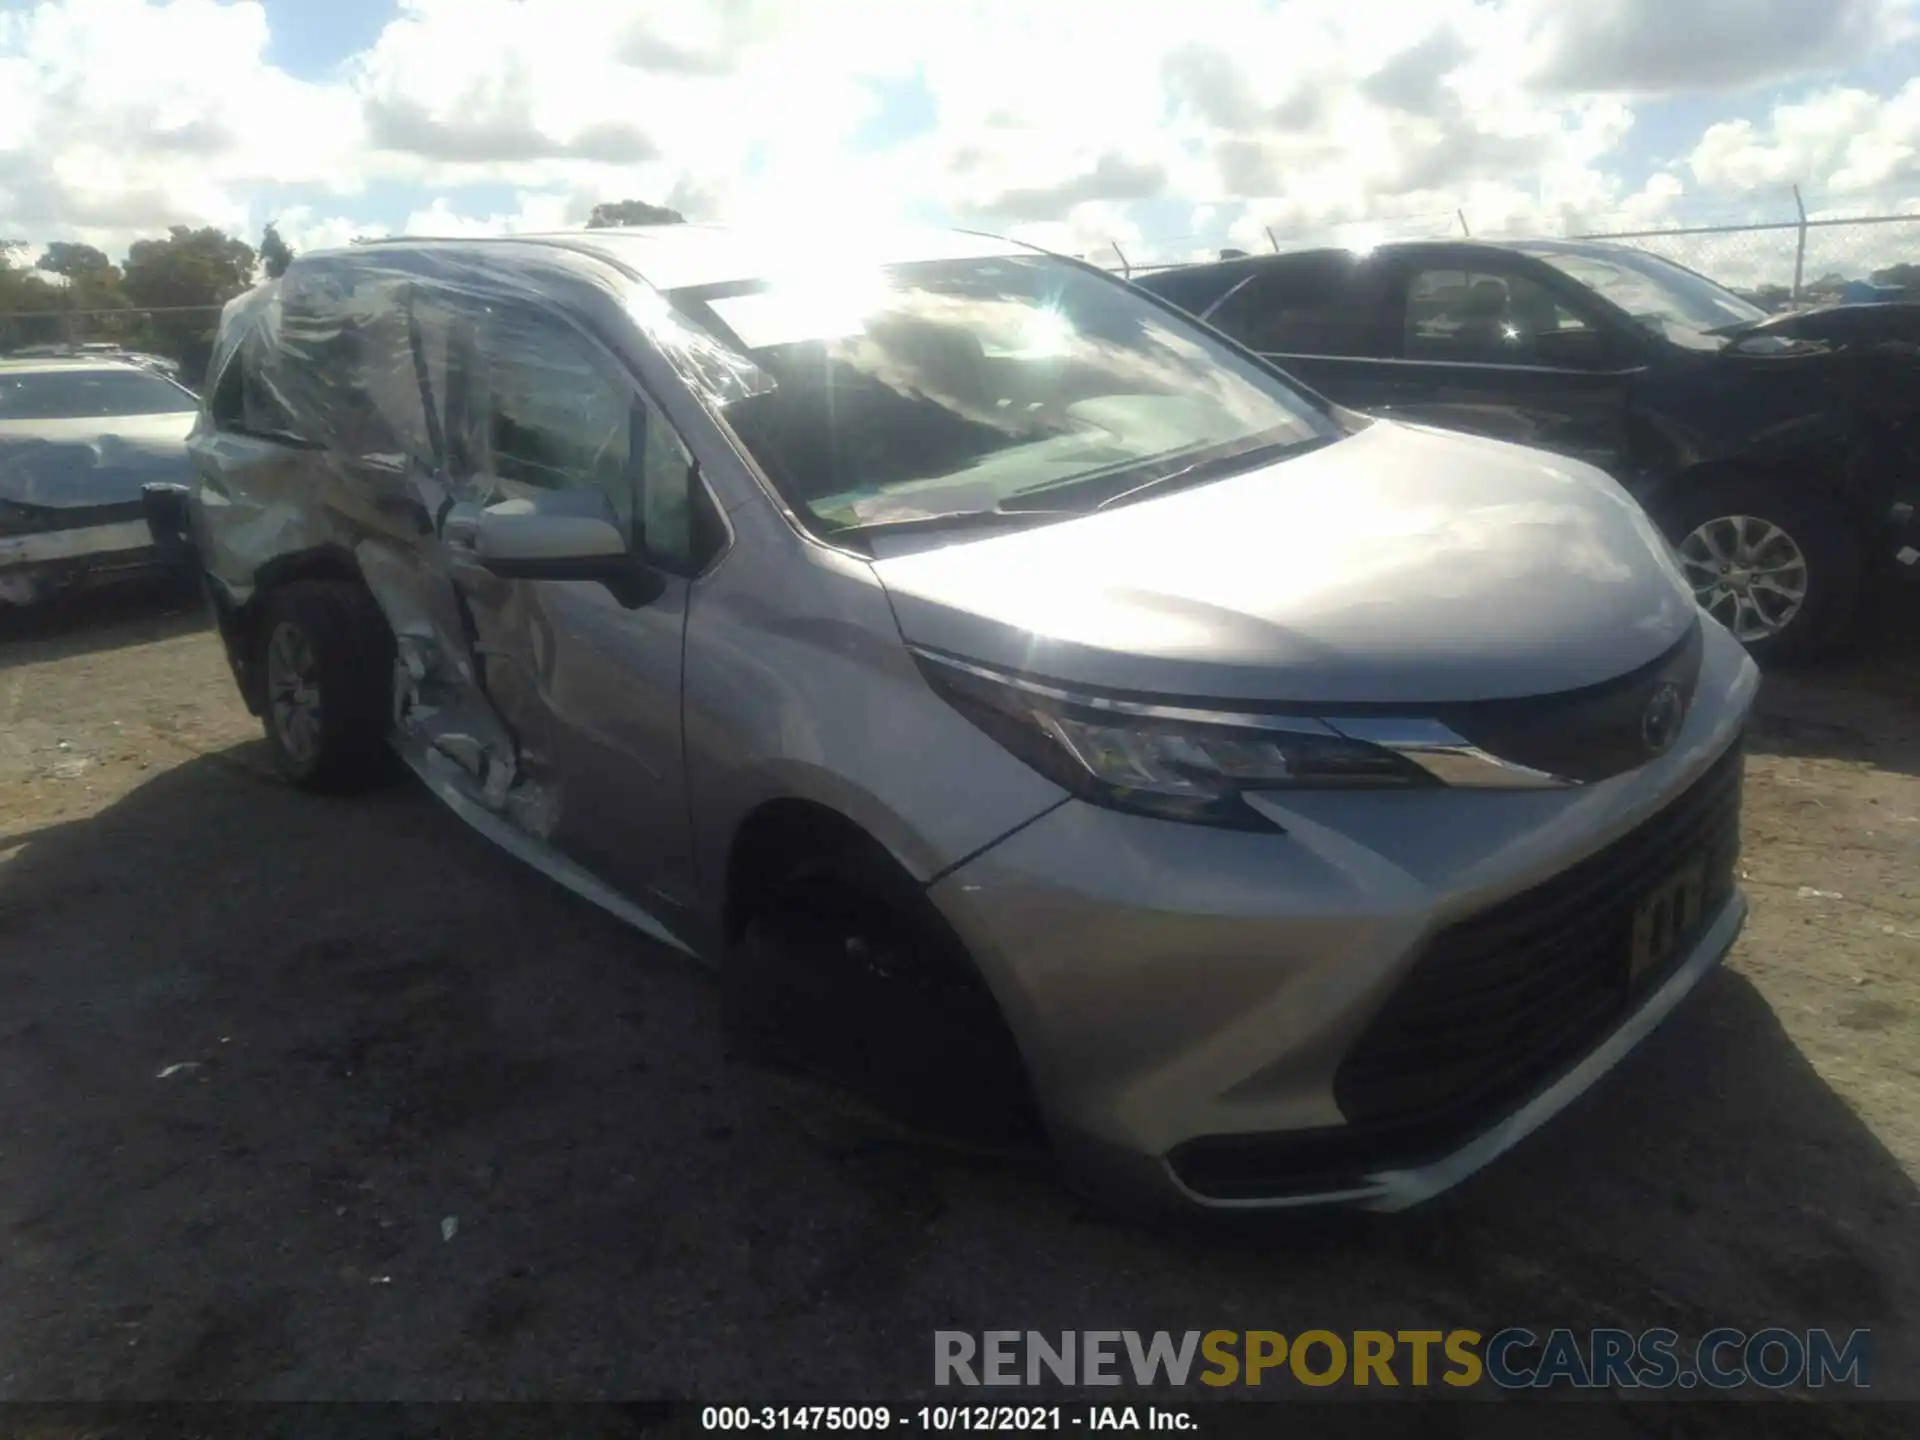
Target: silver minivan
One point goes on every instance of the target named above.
(1051, 718)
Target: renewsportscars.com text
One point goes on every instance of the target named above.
(1512, 1358)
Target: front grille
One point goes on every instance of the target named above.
(1589, 734)
(1495, 1009)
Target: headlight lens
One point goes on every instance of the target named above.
(1177, 764)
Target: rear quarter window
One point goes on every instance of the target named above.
(242, 403)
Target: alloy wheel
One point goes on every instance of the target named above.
(293, 693)
(1746, 572)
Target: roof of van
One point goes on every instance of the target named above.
(682, 256)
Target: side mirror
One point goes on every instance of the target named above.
(515, 537)
(560, 535)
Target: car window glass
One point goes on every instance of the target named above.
(525, 403)
(262, 412)
(391, 381)
(1660, 295)
(1306, 309)
(922, 391)
(666, 481)
(226, 399)
(243, 403)
(553, 419)
(1485, 318)
(78, 394)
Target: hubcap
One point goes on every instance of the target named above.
(1747, 573)
(293, 692)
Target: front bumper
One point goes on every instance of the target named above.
(38, 563)
(1172, 985)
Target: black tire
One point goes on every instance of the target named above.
(847, 973)
(1816, 523)
(345, 635)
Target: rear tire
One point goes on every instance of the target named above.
(325, 665)
(1728, 528)
(847, 973)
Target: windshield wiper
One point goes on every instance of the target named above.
(1011, 513)
(1203, 470)
(951, 520)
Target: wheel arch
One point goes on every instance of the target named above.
(1813, 466)
(239, 622)
(782, 833)
(775, 835)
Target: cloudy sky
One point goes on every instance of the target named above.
(1169, 127)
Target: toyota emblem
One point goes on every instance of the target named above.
(1661, 721)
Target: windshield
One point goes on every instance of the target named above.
(87, 395)
(1664, 296)
(950, 388)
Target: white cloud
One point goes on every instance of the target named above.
(118, 116)
(1663, 47)
(304, 229)
(536, 212)
(1069, 121)
(1841, 140)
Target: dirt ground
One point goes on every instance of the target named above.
(311, 1099)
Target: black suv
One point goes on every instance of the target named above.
(1779, 453)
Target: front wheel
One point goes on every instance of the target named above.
(325, 667)
(1781, 569)
(846, 972)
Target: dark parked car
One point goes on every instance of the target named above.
(1779, 453)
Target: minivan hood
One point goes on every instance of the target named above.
(1403, 564)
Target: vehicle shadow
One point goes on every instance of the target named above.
(91, 622)
(1862, 704)
(313, 1099)
(1713, 1178)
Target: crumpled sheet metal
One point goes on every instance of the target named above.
(377, 362)
(250, 520)
(439, 702)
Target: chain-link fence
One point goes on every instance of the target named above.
(1780, 246)
(177, 339)
(1804, 262)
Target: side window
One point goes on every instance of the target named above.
(1489, 319)
(529, 404)
(1311, 308)
(666, 492)
(241, 402)
(226, 400)
(390, 382)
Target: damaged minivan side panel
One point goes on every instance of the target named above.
(367, 409)
(376, 415)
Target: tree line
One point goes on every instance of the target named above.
(164, 297)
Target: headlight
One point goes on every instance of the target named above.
(1171, 762)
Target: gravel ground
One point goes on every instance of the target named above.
(310, 1099)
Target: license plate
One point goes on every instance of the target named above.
(1666, 918)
